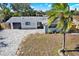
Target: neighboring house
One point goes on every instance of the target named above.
(27, 22)
(75, 25)
(76, 21)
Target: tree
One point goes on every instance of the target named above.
(61, 11)
(16, 14)
(16, 9)
(3, 5)
(22, 8)
(5, 13)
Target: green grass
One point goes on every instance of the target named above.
(46, 44)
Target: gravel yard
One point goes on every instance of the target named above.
(10, 40)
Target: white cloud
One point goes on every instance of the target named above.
(71, 8)
(32, 6)
(74, 6)
(12, 10)
(49, 5)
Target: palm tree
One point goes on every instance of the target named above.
(61, 11)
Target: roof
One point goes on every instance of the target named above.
(23, 19)
(38, 18)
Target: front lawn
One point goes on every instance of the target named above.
(46, 44)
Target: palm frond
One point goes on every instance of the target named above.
(65, 22)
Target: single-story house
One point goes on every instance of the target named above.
(36, 22)
(27, 22)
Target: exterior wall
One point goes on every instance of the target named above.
(33, 21)
(33, 24)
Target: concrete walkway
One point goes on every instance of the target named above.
(10, 40)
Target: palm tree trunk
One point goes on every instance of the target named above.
(61, 51)
(64, 41)
(63, 44)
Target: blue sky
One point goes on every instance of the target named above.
(47, 6)
(41, 6)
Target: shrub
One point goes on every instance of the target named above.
(1, 27)
(4, 26)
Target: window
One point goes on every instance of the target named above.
(27, 23)
(39, 25)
